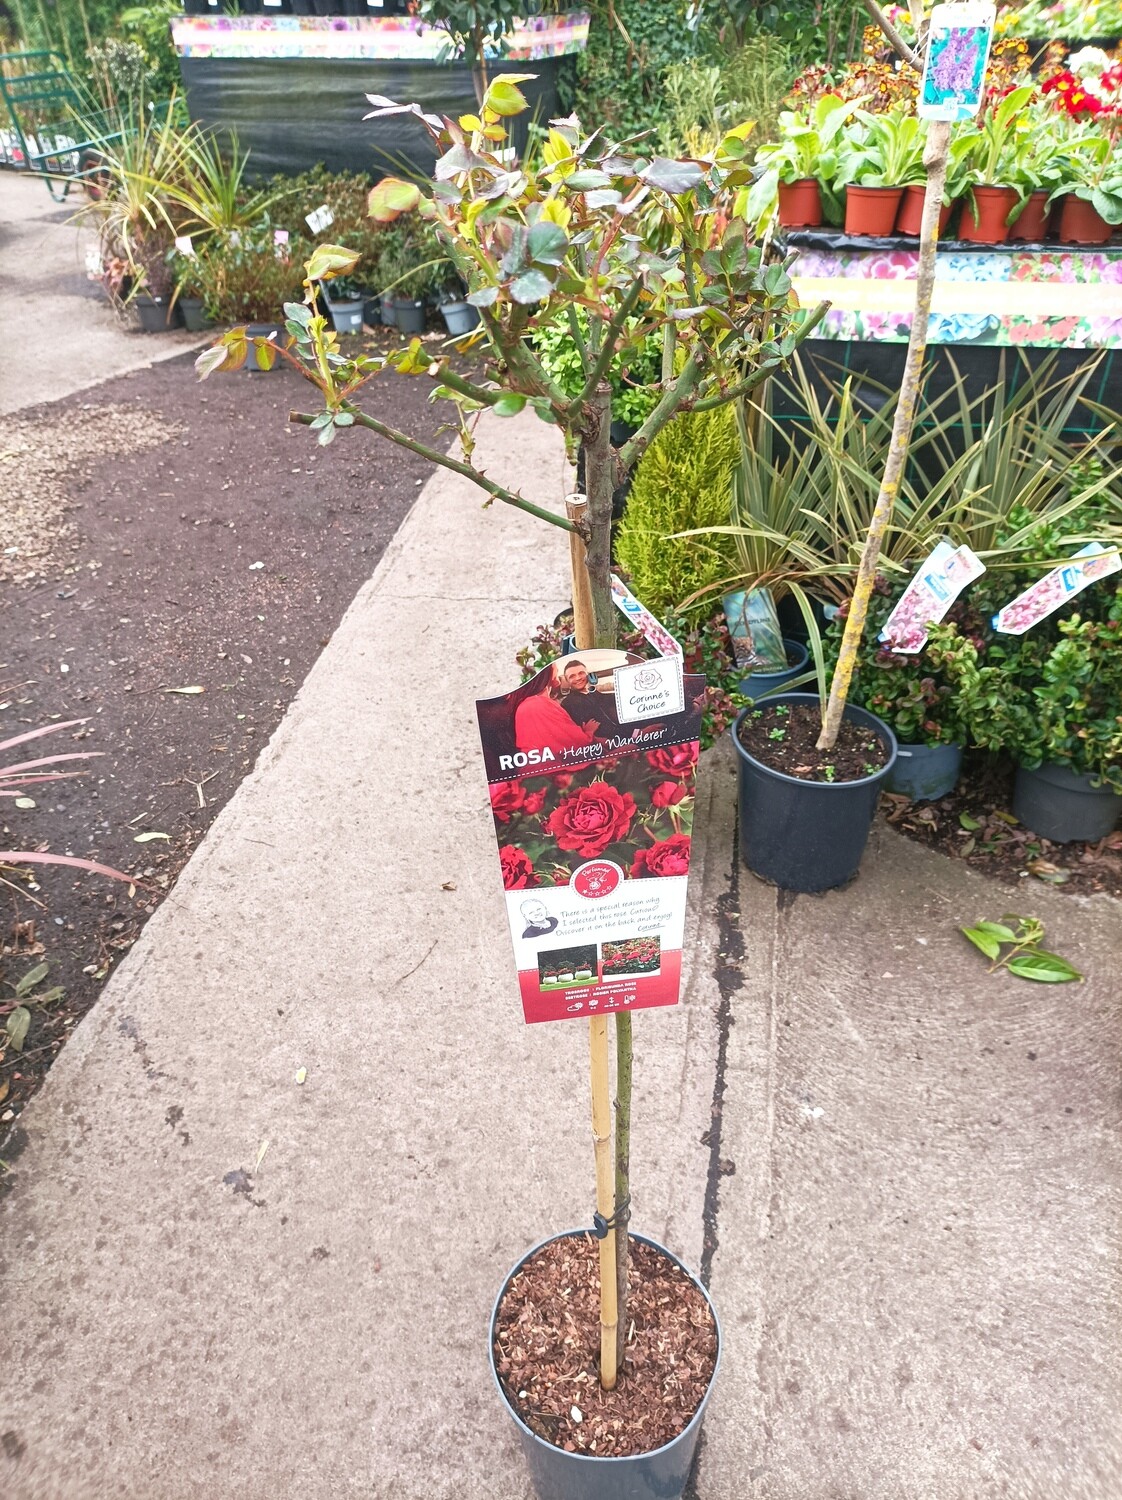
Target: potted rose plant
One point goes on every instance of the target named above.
(634, 242)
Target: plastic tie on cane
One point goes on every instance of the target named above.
(618, 1220)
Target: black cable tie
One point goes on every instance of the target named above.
(618, 1220)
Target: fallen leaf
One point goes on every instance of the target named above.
(4, 1087)
(25, 802)
(18, 1022)
(191, 690)
(969, 823)
(1044, 869)
(301, 1074)
(968, 847)
(1005, 817)
(260, 1155)
(146, 838)
(449, 885)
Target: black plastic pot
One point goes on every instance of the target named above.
(807, 835)
(556, 1475)
(925, 772)
(1061, 804)
(195, 319)
(761, 684)
(156, 314)
(409, 314)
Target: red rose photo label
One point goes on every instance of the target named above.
(593, 817)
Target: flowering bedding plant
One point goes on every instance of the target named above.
(550, 824)
(637, 955)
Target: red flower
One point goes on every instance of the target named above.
(507, 798)
(534, 803)
(670, 857)
(518, 869)
(674, 760)
(591, 819)
(668, 794)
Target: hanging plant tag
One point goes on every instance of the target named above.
(319, 219)
(593, 815)
(954, 70)
(1047, 594)
(642, 620)
(184, 245)
(945, 572)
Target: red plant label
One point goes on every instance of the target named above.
(593, 817)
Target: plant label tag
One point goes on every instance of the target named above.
(642, 620)
(593, 818)
(955, 68)
(945, 572)
(184, 246)
(280, 236)
(1047, 594)
(319, 219)
(650, 691)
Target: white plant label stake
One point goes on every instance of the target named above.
(1047, 594)
(943, 575)
(319, 219)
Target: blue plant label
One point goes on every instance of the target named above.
(945, 572)
(1050, 593)
(954, 71)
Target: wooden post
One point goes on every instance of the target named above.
(605, 1195)
(584, 619)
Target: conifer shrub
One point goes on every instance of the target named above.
(683, 481)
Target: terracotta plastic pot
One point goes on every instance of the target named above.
(1082, 224)
(872, 210)
(661, 1474)
(909, 219)
(1033, 220)
(984, 216)
(800, 204)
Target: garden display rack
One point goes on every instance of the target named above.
(58, 133)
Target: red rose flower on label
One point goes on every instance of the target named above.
(669, 857)
(518, 869)
(507, 798)
(591, 819)
(534, 803)
(674, 760)
(668, 793)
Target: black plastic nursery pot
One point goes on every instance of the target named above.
(1061, 804)
(193, 309)
(807, 836)
(157, 314)
(409, 314)
(763, 684)
(925, 772)
(661, 1474)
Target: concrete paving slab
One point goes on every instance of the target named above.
(919, 1259)
(223, 1283)
(60, 334)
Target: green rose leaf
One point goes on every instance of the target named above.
(531, 286)
(330, 260)
(508, 405)
(390, 199)
(486, 296)
(672, 176)
(18, 1022)
(548, 244)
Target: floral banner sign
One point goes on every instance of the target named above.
(591, 767)
(955, 69)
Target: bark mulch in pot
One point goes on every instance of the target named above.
(784, 737)
(547, 1349)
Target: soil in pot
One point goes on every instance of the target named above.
(984, 216)
(547, 1348)
(1082, 224)
(1031, 223)
(784, 735)
(871, 210)
(800, 204)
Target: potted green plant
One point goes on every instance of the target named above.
(549, 245)
(878, 157)
(989, 157)
(909, 693)
(798, 170)
(1040, 165)
(190, 295)
(1090, 192)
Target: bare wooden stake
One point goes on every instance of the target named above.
(584, 618)
(605, 1194)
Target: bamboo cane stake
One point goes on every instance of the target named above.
(584, 618)
(935, 159)
(605, 1195)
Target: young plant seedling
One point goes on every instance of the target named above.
(1025, 957)
(829, 772)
